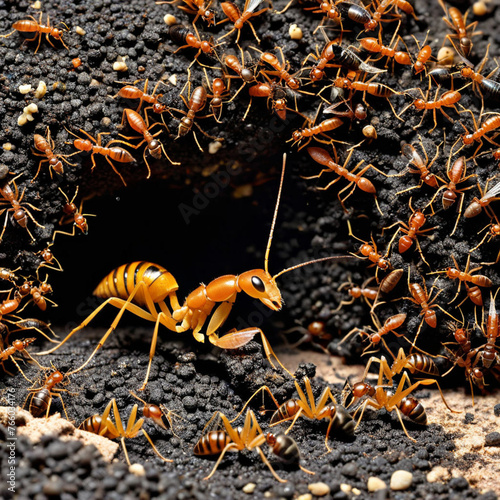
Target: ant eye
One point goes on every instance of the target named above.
(258, 284)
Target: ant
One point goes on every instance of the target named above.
(477, 204)
(41, 397)
(457, 23)
(131, 92)
(20, 214)
(154, 146)
(313, 131)
(102, 425)
(72, 213)
(422, 166)
(196, 103)
(373, 45)
(46, 146)
(370, 252)
(456, 175)
(390, 325)
(411, 230)
(280, 69)
(239, 18)
(449, 99)
(219, 442)
(18, 346)
(423, 55)
(325, 407)
(219, 92)
(322, 157)
(421, 298)
(32, 26)
(383, 7)
(341, 57)
(356, 292)
(93, 146)
(274, 92)
(152, 285)
(380, 396)
(491, 123)
(466, 276)
(199, 8)
(183, 37)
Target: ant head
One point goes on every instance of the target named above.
(316, 75)
(259, 284)
(57, 376)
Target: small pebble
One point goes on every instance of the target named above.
(346, 488)
(137, 469)
(438, 474)
(214, 146)
(169, 20)
(492, 439)
(24, 89)
(37, 5)
(445, 56)
(80, 31)
(120, 64)
(305, 496)
(319, 489)
(295, 32)
(41, 90)
(356, 492)
(496, 410)
(401, 480)
(249, 488)
(469, 418)
(7, 146)
(375, 484)
(173, 79)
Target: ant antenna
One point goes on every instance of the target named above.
(268, 248)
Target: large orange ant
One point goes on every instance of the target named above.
(153, 284)
(32, 26)
(132, 92)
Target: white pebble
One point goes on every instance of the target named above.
(249, 488)
(137, 469)
(319, 489)
(41, 90)
(401, 480)
(295, 32)
(120, 66)
(173, 79)
(80, 31)
(375, 484)
(305, 496)
(37, 5)
(169, 20)
(24, 89)
(214, 146)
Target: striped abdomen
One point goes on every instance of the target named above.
(212, 443)
(96, 425)
(286, 411)
(421, 363)
(39, 402)
(122, 281)
(411, 408)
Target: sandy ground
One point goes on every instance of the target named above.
(478, 463)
